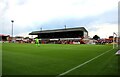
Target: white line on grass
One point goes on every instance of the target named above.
(82, 64)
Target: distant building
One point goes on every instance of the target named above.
(19, 39)
(4, 37)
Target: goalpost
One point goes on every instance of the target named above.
(115, 40)
(118, 43)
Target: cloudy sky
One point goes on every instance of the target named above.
(97, 16)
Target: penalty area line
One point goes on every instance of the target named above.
(64, 73)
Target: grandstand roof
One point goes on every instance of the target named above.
(59, 30)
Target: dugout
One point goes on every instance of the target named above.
(70, 34)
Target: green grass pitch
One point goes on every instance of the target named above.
(54, 59)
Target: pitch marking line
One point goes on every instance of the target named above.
(82, 64)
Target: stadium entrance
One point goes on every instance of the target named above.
(64, 36)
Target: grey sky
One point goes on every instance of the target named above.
(97, 16)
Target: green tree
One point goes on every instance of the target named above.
(96, 37)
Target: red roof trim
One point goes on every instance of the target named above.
(3, 35)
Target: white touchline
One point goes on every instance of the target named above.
(82, 64)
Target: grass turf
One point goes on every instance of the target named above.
(54, 59)
(0, 59)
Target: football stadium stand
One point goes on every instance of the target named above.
(67, 35)
(4, 38)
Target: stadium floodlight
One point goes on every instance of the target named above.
(12, 29)
(65, 26)
(41, 29)
(115, 40)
